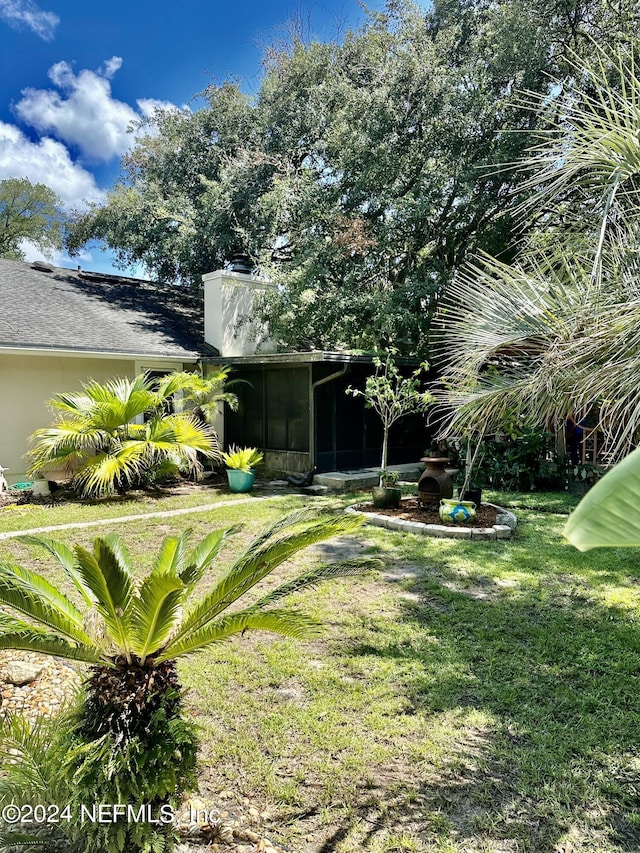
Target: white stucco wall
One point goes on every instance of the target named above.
(27, 381)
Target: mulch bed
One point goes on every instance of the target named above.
(410, 510)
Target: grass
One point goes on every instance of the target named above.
(473, 698)
(26, 516)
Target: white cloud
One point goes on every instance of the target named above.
(59, 259)
(148, 106)
(110, 66)
(46, 162)
(19, 13)
(83, 112)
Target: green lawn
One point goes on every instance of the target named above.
(26, 516)
(476, 698)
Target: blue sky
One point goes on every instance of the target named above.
(75, 73)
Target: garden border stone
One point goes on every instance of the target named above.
(506, 523)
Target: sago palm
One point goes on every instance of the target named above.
(99, 441)
(133, 629)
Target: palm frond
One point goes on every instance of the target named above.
(257, 563)
(35, 598)
(597, 146)
(207, 393)
(201, 557)
(75, 404)
(111, 585)
(172, 555)
(286, 622)
(65, 556)
(116, 545)
(310, 579)
(66, 442)
(297, 516)
(10, 623)
(50, 644)
(182, 433)
(154, 613)
(103, 471)
(535, 341)
(40, 586)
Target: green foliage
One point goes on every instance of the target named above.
(524, 460)
(362, 173)
(392, 396)
(556, 334)
(177, 207)
(128, 741)
(609, 514)
(205, 394)
(55, 765)
(146, 623)
(98, 439)
(28, 212)
(242, 458)
(34, 773)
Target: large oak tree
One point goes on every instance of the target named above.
(363, 172)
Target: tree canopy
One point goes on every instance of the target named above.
(28, 212)
(363, 173)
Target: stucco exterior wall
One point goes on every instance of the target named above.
(27, 382)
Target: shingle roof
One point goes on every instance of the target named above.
(65, 309)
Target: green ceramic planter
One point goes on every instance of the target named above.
(240, 481)
(452, 509)
(386, 497)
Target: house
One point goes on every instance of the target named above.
(60, 327)
(294, 405)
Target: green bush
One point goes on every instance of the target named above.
(525, 460)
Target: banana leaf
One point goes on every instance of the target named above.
(609, 514)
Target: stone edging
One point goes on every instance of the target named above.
(506, 523)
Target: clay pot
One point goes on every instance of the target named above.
(434, 483)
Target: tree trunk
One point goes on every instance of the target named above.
(142, 752)
(385, 451)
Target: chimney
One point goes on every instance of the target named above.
(229, 297)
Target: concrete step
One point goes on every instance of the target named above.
(350, 481)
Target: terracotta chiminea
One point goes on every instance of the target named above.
(434, 483)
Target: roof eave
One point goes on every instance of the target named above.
(78, 352)
(303, 358)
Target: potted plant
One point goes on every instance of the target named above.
(392, 396)
(241, 462)
(387, 495)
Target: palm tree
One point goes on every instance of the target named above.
(133, 630)
(205, 393)
(98, 437)
(558, 332)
